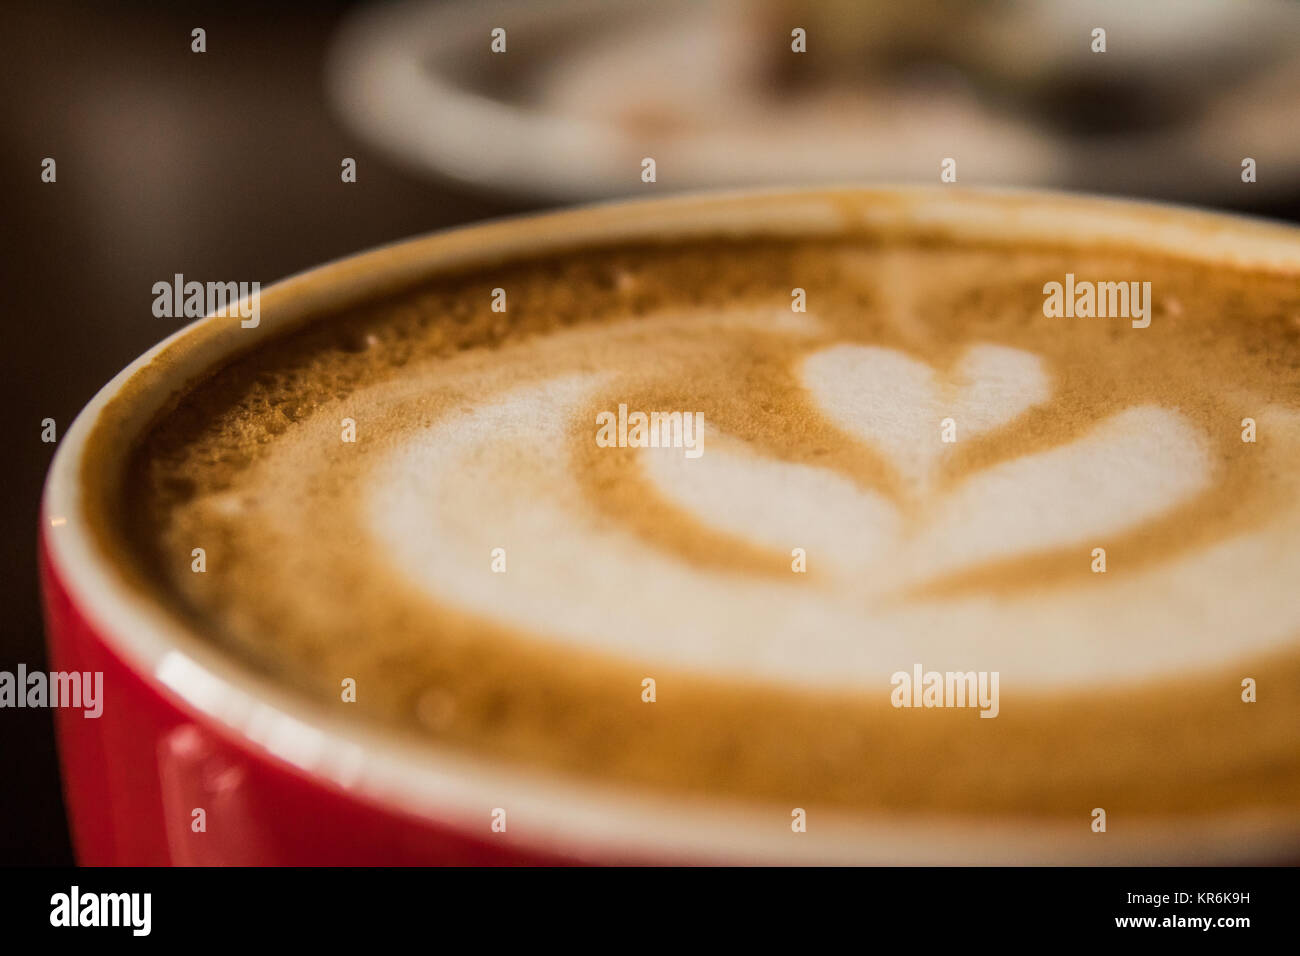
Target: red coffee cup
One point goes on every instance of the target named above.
(197, 760)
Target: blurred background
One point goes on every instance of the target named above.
(225, 165)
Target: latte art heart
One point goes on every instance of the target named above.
(897, 403)
(585, 582)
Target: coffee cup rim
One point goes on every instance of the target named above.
(584, 818)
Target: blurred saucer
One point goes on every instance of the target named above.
(711, 90)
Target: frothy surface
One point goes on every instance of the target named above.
(823, 432)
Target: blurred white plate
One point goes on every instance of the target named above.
(588, 88)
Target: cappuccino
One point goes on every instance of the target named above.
(1090, 524)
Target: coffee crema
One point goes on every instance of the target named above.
(497, 581)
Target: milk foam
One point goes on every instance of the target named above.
(897, 403)
(373, 560)
(503, 476)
